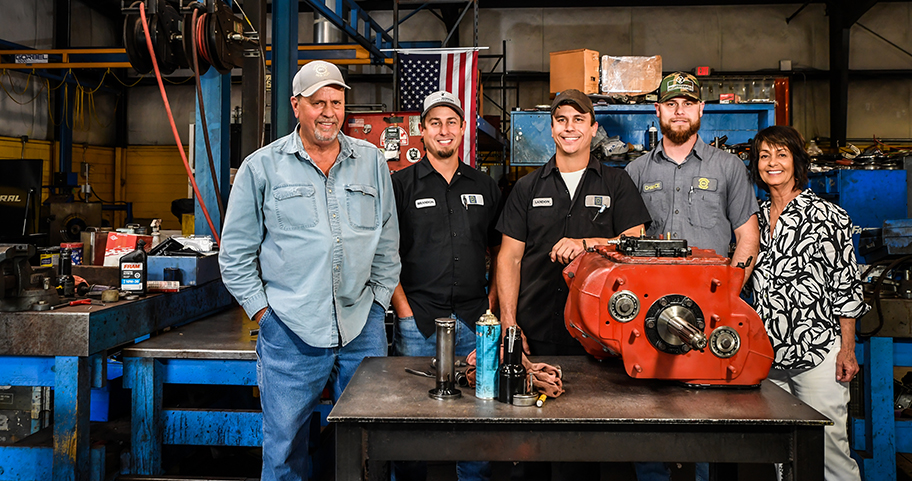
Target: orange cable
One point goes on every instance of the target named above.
(180, 146)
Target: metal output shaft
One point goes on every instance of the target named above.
(686, 331)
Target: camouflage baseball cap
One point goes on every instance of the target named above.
(680, 84)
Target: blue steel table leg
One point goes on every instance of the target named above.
(144, 376)
(880, 428)
(71, 419)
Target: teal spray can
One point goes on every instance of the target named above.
(487, 357)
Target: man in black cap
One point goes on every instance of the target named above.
(551, 213)
(447, 211)
(551, 216)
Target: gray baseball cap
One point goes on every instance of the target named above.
(445, 99)
(315, 75)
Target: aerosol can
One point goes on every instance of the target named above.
(133, 270)
(487, 359)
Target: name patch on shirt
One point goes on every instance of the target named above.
(422, 203)
(705, 183)
(542, 202)
(598, 201)
(472, 199)
(652, 187)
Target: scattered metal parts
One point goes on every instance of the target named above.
(525, 400)
(420, 373)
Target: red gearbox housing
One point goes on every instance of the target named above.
(669, 311)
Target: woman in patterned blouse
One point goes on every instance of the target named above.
(806, 288)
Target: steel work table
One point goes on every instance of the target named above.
(67, 349)
(386, 414)
(217, 350)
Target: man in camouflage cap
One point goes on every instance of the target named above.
(695, 192)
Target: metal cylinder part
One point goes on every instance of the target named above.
(323, 30)
(679, 328)
(445, 360)
(512, 372)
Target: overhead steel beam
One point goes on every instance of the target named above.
(842, 15)
(63, 98)
(284, 64)
(253, 105)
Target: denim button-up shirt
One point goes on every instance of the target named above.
(318, 249)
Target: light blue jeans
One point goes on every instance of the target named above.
(409, 341)
(291, 376)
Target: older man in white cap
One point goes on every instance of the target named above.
(310, 251)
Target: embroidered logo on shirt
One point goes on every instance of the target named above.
(705, 183)
(542, 202)
(652, 187)
(598, 201)
(472, 199)
(422, 203)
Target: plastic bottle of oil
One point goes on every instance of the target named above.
(133, 270)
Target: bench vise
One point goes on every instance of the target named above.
(669, 311)
(21, 287)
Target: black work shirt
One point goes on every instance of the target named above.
(444, 233)
(540, 212)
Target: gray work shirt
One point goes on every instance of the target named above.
(702, 200)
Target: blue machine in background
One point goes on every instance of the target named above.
(874, 199)
(530, 131)
(869, 196)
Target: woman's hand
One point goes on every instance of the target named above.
(846, 365)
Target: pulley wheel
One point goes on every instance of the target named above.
(214, 42)
(135, 43)
(170, 23)
(189, 35)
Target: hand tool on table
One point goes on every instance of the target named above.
(420, 373)
(80, 302)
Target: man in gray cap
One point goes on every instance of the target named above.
(695, 192)
(310, 249)
(447, 212)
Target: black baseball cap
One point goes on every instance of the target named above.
(579, 100)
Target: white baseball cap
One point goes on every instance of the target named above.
(315, 75)
(444, 98)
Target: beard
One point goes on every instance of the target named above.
(326, 138)
(678, 137)
(321, 137)
(442, 153)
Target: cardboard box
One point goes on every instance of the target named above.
(195, 271)
(630, 75)
(119, 244)
(575, 69)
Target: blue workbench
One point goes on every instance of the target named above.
(217, 350)
(67, 350)
(879, 435)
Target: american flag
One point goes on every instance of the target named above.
(456, 71)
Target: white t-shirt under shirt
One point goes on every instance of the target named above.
(572, 180)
